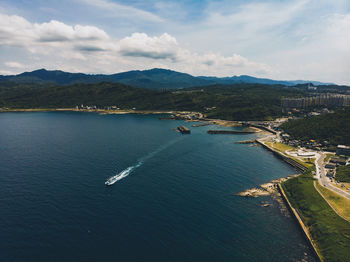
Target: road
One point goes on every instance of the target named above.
(320, 171)
(325, 181)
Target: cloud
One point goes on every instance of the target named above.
(56, 31)
(141, 45)
(13, 64)
(89, 48)
(6, 72)
(86, 48)
(17, 31)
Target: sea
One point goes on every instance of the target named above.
(175, 198)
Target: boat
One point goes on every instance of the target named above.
(110, 181)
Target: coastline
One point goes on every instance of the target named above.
(276, 185)
(220, 122)
(304, 228)
(101, 111)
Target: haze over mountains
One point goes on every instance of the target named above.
(154, 79)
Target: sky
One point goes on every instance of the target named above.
(279, 39)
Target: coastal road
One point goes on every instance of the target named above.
(323, 180)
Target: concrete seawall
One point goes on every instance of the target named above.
(304, 229)
(227, 132)
(263, 128)
(288, 160)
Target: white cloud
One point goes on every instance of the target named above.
(6, 72)
(17, 31)
(141, 45)
(89, 48)
(13, 64)
(56, 31)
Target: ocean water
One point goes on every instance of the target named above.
(175, 199)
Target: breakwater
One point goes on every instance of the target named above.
(285, 158)
(227, 132)
(304, 229)
(263, 128)
(251, 141)
(183, 130)
(204, 124)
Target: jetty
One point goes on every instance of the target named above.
(166, 118)
(227, 132)
(204, 124)
(251, 141)
(183, 130)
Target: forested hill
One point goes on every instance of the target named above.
(334, 128)
(234, 102)
(153, 79)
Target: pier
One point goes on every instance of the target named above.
(227, 132)
(204, 124)
(251, 141)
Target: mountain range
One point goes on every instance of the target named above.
(153, 79)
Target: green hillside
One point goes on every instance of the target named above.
(232, 102)
(334, 128)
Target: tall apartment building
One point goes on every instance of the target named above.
(320, 100)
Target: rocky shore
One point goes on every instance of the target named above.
(266, 189)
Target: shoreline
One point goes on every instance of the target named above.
(213, 121)
(274, 188)
(301, 224)
(101, 111)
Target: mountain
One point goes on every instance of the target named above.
(255, 80)
(159, 78)
(153, 79)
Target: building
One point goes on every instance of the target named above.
(330, 166)
(328, 99)
(338, 161)
(343, 150)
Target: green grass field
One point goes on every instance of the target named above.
(330, 232)
(339, 203)
(283, 148)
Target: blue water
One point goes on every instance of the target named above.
(176, 204)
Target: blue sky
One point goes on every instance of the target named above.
(302, 39)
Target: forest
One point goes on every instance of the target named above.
(241, 101)
(334, 128)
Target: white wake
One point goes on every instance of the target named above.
(140, 162)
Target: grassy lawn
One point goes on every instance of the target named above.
(280, 147)
(343, 174)
(339, 203)
(283, 148)
(330, 232)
